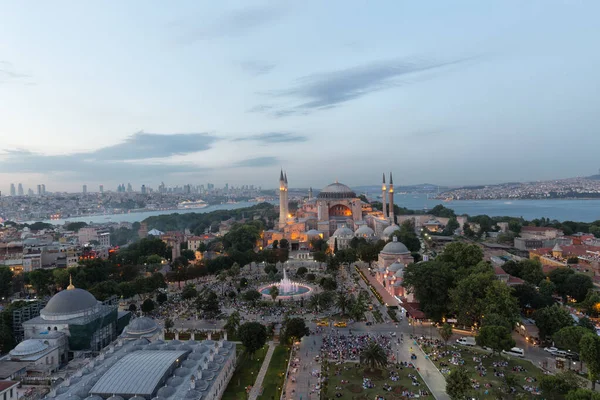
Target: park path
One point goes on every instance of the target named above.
(256, 389)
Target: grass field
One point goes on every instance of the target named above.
(275, 376)
(245, 374)
(352, 375)
(492, 379)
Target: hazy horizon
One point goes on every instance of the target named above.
(451, 94)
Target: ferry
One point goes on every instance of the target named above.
(184, 205)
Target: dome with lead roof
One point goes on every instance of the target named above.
(387, 232)
(364, 231)
(343, 231)
(395, 247)
(70, 303)
(336, 191)
(141, 326)
(28, 347)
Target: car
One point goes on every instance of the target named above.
(323, 323)
(550, 349)
(340, 324)
(393, 334)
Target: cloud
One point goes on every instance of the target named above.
(142, 145)
(257, 67)
(134, 158)
(273, 137)
(8, 73)
(330, 89)
(257, 162)
(236, 23)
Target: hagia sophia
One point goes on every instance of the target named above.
(337, 214)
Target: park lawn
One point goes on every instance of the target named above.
(487, 359)
(354, 373)
(275, 376)
(245, 374)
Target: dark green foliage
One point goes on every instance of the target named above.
(495, 337)
(6, 276)
(569, 337)
(253, 336)
(550, 320)
(458, 383)
(148, 306)
(557, 386)
(189, 291)
(295, 329)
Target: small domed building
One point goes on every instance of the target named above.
(389, 231)
(393, 258)
(88, 323)
(142, 328)
(343, 235)
(364, 232)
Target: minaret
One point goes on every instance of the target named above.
(287, 201)
(383, 196)
(310, 193)
(71, 286)
(391, 199)
(282, 200)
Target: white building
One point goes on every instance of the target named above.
(8, 390)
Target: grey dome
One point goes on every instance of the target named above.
(69, 303)
(142, 325)
(28, 347)
(94, 397)
(390, 230)
(364, 231)
(343, 231)
(395, 266)
(337, 191)
(115, 397)
(395, 247)
(313, 232)
(166, 391)
(399, 273)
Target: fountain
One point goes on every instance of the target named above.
(287, 288)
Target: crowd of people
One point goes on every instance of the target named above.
(347, 347)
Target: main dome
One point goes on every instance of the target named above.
(70, 303)
(395, 248)
(336, 191)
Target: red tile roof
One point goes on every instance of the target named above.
(7, 385)
(538, 229)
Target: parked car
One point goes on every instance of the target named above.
(466, 341)
(550, 349)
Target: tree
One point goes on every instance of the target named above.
(569, 337)
(273, 292)
(591, 304)
(430, 282)
(169, 323)
(161, 298)
(310, 277)
(275, 244)
(295, 329)
(301, 271)
(342, 301)
(358, 307)
(445, 332)
(253, 336)
(528, 297)
(559, 278)
(495, 337)
(587, 323)
(328, 283)
(133, 307)
(590, 354)
(582, 394)
(6, 276)
(557, 386)
(547, 288)
(190, 255)
(531, 271)
(500, 301)
(577, 286)
(284, 244)
(252, 295)
(550, 320)
(243, 283)
(458, 383)
(233, 322)
(189, 291)
(147, 306)
(208, 302)
(373, 355)
(471, 291)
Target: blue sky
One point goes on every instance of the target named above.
(452, 93)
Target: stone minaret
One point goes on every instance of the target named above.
(391, 199)
(283, 204)
(383, 196)
(310, 195)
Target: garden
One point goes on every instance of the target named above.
(245, 374)
(351, 381)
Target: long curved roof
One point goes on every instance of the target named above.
(336, 191)
(68, 304)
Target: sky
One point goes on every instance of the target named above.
(449, 93)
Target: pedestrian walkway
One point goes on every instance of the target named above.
(257, 388)
(303, 387)
(428, 371)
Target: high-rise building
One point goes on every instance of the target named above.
(143, 189)
(29, 192)
(20, 190)
(84, 189)
(129, 188)
(101, 188)
(13, 191)
(39, 188)
(43, 188)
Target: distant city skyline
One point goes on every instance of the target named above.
(451, 94)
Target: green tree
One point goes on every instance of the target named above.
(591, 304)
(169, 324)
(104, 290)
(495, 337)
(61, 277)
(253, 336)
(320, 256)
(590, 354)
(577, 286)
(460, 254)
(147, 306)
(295, 329)
(547, 288)
(208, 303)
(301, 271)
(445, 332)
(190, 255)
(367, 252)
(500, 301)
(342, 301)
(531, 271)
(431, 283)
(310, 277)
(557, 386)
(284, 244)
(328, 283)
(358, 307)
(587, 323)
(273, 292)
(559, 278)
(233, 323)
(275, 244)
(582, 394)
(472, 291)
(161, 298)
(252, 296)
(6, 276)
(569, 337)
(458, 383)
(550, 320)
(373, 356)
(189, 292)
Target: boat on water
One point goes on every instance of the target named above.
(186, 205)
